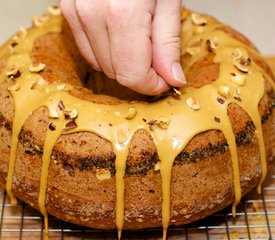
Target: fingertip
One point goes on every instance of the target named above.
(178, 75)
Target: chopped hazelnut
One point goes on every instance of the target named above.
(211, 45)
(238, 79)
(70, 125)
(224, 91)
(241, 67)
(152, 124)
(176, 91)
(70, 113)
(52, 126)
(14, 87)
(245, 61)
(60, 87)
(22, 32)
(61, 105)
(238, 99)
(220, 100)
(35, 68)
(53, 113)
(157, 166)
(13, 72)
(36, 22)
(193, 103)
(132, 112)
(217, 119)
(45, 18)
(103, 174)
(15, 38)
(163, 123)
(198, 19)
(54, 10)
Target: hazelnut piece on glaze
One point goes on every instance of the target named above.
(193, 103)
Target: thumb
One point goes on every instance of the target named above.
(166, 42)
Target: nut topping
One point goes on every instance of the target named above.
(238, 99)
(157, 166)
(54, 10)
(103, 174)
(132, 112)
(193, 103)
(13, 72)
(198, 19)
(224, 91)
(216, 119)
(152, 125)
(15, 87)
(238, 79)
(53, 113)
(36, 22)
(220, 100)
(241, 67)
(176, 91)
(36, 68)
(60, 87)
(22, 32)
(211, 45)
(61, 105)
(245, 61)
(163, 123)
(52, 127)
(70, 113)
(70, 125)
(44, 18)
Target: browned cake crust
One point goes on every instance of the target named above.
(202, 181)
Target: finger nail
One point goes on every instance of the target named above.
(178, 73)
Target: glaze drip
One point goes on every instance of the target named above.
(192, 113)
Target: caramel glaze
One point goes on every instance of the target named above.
(179, 118)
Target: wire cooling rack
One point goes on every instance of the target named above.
(255, 219)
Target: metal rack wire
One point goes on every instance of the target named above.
(255, 219)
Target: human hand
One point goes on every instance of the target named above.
(136, 42)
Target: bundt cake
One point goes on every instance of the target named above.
(86, 150)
